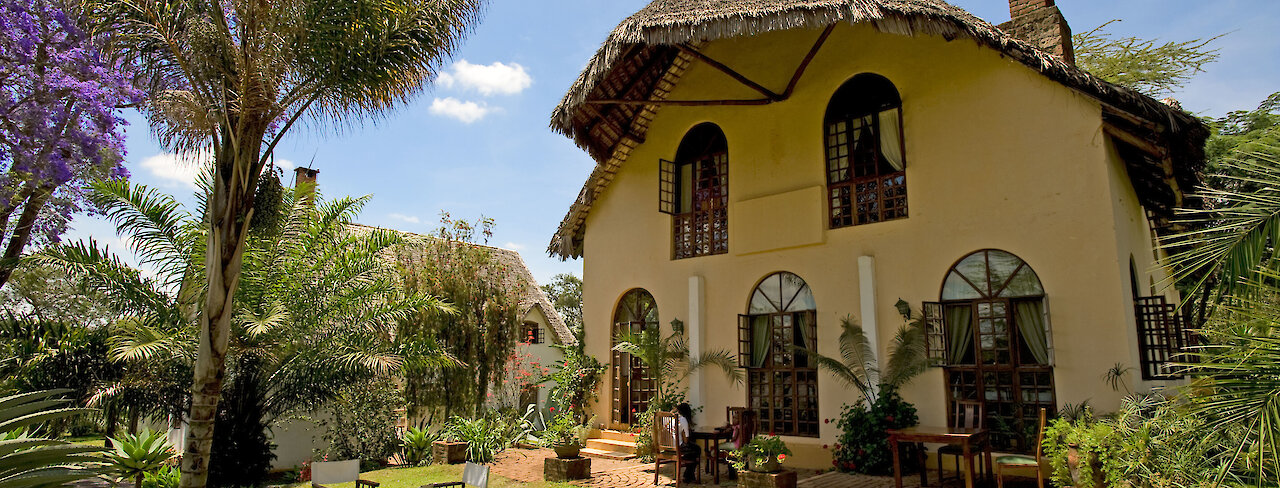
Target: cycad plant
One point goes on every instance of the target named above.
(667, 359)
(231, 78)
(30, 460)
(857, 365)
(133, 456)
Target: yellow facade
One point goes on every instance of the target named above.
(997, 156)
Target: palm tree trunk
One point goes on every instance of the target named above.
(230, 210)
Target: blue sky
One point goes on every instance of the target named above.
(478, 144)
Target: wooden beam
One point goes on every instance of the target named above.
(1113, 110)
(681, 103)
(1171, 179)
(729, 71)
(1141, 144)
(804, 64)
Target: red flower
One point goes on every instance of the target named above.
(782, 457)
(889, 419)
(826, 421)
(824, 446)
(553, 409)
(835, 462)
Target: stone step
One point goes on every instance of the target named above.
(612, 445)
(617, 435)
(604, 454)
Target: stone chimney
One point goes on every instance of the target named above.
(304, 182)
(1040, 23)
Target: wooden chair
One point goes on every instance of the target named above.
(667, 440)
(1023, 463)
(333, 472)
(473, 475)
(969, 415)
(745, 425)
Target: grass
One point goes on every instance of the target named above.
(425, 475)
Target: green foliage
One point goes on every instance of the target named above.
(1142, 64)
(565, 293)
(242, 452)
(670, 397)
(362, 422)
(167, 476)
(863, 445)
(416, 445)
(667, 359)
(857, 367)
(134, 455)
(576, 379)
(46, 294)
(480, 331)
(41, 355)
(33, 461)
(759, 450)
(1097, 443)
(1241, 134)
(565, 430)
(489, 435)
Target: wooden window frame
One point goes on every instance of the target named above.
(761, 378)
(850, 195)
(532, 333)
(1162, 336)
(936, 345)
(641, 387)
(702, 229)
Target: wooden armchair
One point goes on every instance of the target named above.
(667, 440)
(473, 475)
(333, 472)
(968, 415)
(745, 425)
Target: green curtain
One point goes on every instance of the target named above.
(960, 326)
(1029, 317)
(800, 321)
(761, 339)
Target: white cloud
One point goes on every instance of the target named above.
(466, 112)
(488, 79)
(174, 170)
(412, 219)
(513, 246)
(286, 165)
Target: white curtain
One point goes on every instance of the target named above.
(891, 137)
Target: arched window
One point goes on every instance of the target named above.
(866, 178)
(632, 386)
(782, 383)
(694, 189)
(998, 345)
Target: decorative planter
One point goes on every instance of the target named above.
(559, 469)
(444, 452)
(567, 451)
(781, 479)
(768, 465)
(1073, 465)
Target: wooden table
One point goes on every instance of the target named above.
(967, 439)
(711, 438)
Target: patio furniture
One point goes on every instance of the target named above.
(744, 424)
(667, 440)
(334, 472)
(473, 475)
(711, 438)
(1023, 464)
(968, 439)
(969, 415)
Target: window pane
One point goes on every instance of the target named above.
(955, 288)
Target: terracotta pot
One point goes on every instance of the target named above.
(567, 451)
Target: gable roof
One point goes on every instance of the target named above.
(531, 294)
(645, 56)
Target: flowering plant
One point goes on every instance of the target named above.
(564, 430)
(762, 454)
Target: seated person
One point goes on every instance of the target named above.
(689, 450)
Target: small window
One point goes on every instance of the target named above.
(694, 190)
(533, 333)
(1162, 336)
(865, 161)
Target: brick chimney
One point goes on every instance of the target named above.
(1040, 23)
(304, 182)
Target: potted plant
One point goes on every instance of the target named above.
(565, 436)
(763, 454)
(1079, 450)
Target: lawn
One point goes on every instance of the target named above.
(416, 477)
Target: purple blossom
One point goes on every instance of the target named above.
(59, 118)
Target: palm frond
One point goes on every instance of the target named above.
(907, 355)
(858, 353)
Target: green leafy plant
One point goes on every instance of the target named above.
(857, 366)
(1096, 445)
(28, 460)
(760, 452)
(167, 476)
(416, 445)
(564, 430)
(132, 456)
(362, 423)
(863, 445)
(488, 436)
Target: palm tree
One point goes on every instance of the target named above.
(857, 366)
(233, 77)
(33, 461)
(668, 359)
(316, 310)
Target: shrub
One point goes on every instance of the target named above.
(165, 477)
(362, 423)
(564, 430)
(488, 436)
(863, 446)
(135, 455)
(761, 449)
(417, 445)
(575, 383)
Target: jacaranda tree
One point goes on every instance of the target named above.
(232, 77)
(59, 127)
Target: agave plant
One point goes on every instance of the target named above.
(417, 445)
(133, 456)
(28, 460)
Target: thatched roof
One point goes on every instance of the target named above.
(642, 60)
(531, 295)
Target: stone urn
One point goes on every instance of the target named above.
(780, 479)
(567, 451)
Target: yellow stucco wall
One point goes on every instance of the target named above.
(997, 157)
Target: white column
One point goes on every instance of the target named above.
(694, 327)
(867, 299)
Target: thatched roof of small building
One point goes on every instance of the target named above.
(642, 60)
(531, 295)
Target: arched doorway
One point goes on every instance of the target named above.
(999, 347)
(632, 386)
(782, 384)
